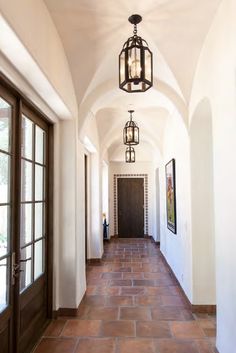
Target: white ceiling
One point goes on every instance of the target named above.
(93, 32)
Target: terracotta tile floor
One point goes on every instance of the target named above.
(132, 305)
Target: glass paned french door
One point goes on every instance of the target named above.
(5, 200)
(33, 174)
(25, 254)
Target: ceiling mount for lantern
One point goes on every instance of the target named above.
(131, 131)
(130, 155)
(135, 19)
(135, 62)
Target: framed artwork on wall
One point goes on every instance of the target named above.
(171, 196)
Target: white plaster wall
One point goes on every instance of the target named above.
(105, 189)
(71, 248)
(177, 247)
(203, 237)
(35, 29)
(216, 79)
(135, 168)
(95, 239)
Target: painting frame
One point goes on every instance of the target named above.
(171, 196)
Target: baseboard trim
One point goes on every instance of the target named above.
(55, 314)
(201, 309)
(71, 312)
(157, 243)
(95, 261)
(204, 309)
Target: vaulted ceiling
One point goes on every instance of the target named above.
(93, 33)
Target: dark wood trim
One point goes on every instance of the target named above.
(8, 84)
(55, 314)
(86, 205)
(50, 230)
(95, 261)
(157, 243)
(206, 309)
(17, 211)
(173, 275)
(68, 312)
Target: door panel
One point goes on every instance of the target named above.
(25, 286)
(33, 275)
(131, 207)
(7, 111)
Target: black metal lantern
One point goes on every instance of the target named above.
(130, 155)
(131, 132)
(135, 62)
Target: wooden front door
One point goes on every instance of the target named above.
(130, 207)
(24, 225)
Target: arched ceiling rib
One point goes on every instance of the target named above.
(93, 32)
(92, 29)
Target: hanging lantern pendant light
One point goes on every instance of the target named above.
(130, 155)
(135, 62)
(131, 131)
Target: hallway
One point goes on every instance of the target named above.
(132, 304)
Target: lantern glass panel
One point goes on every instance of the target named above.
(148, 65)
(122, 67)
(132, 156)
(134, 64)
(127, 156)
(131, 87)
(130, 135)
(136, 135)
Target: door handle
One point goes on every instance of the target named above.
(15, 268)
(25, 260)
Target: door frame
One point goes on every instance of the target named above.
(20, 98)
(86, 205)
(130, 212)
(115, 198)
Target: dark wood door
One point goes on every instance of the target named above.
(25, 242)
(131, 207)
(7, 226)
(32, 243)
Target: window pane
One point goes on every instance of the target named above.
(26, 181)
(39, 145)
(38, 183)
(38, 258)
(4, 230)
(38, 223)
(4, 177)
(26, 268)
(4, 284)
(26, 224)
(27, 136)
(5, 123)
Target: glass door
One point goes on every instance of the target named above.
(7, 110)
(25, 245)
(33, 228)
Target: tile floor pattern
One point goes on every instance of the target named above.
(132, 305)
